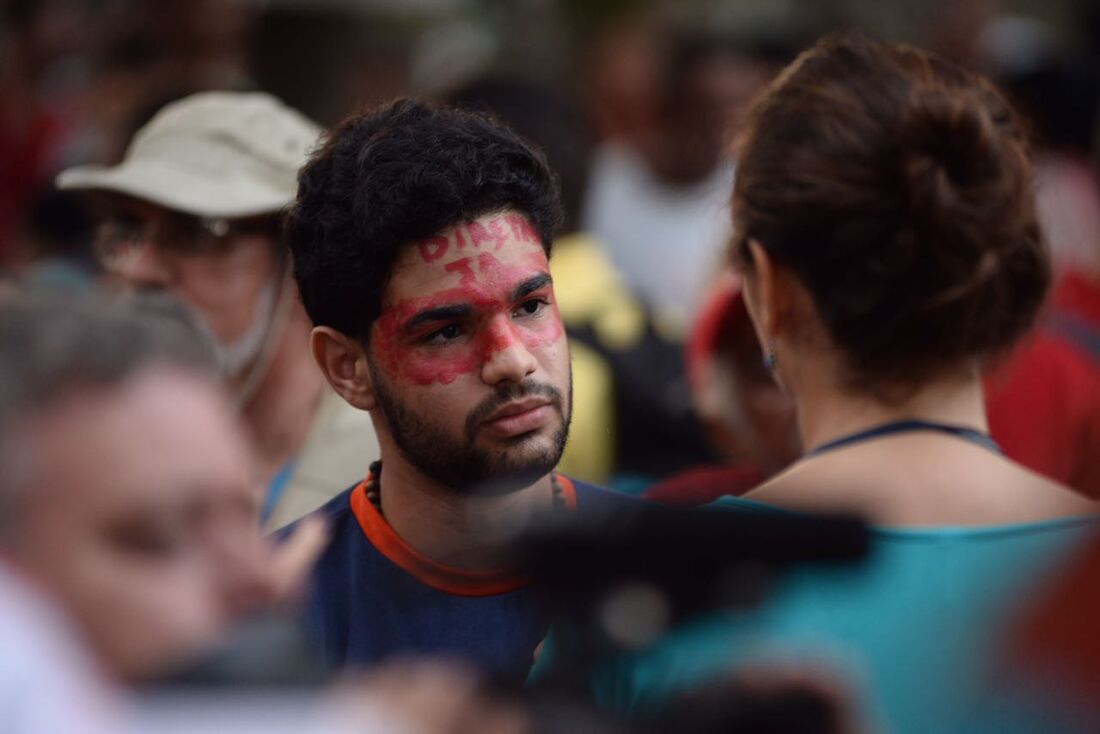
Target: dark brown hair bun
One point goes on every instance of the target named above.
(897, 186)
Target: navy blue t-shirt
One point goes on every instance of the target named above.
(372, 596)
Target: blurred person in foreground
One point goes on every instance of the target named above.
(158, 554)
(885, 230)
(129, 543)
(421, 238)
(195, 209)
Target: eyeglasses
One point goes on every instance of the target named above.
(119, 237)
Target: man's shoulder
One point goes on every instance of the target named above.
(340, 505)
(337, 512)
(348, 549)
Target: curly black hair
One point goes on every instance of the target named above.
(395, 176)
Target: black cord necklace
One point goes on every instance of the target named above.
(908, 426)
(374, 487)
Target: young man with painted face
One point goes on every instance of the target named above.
(420, 240)
(194, 209)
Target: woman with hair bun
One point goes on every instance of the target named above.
(889, 245)
(887, 238)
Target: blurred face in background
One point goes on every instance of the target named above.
(226, 270)
(622, 73)
(140, 519)
(747, 415)
(702, 106)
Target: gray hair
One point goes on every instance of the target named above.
(51, 346)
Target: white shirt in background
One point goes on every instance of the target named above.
(666, 241)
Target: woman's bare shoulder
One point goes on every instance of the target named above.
(976, 492)
(1046, 498)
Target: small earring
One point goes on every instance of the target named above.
(770, 357)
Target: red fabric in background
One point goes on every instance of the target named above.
(1079, 296)
(704, 484)
(26, 156)
(1044, 411)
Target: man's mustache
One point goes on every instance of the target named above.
(507, 394)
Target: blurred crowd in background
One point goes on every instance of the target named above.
(637, 105)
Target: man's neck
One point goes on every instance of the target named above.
(281, 412)
(467, 531)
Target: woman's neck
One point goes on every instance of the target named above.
(827, 413)
(921, 479)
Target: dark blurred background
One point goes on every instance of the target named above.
(78, 76)
(635, 102)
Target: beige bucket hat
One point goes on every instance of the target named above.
(214, 154)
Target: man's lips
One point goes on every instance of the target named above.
(521, 416)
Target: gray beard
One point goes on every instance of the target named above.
(235, 356)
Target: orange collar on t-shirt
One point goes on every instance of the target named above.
(431, 573)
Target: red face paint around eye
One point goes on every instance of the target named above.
(484, 288)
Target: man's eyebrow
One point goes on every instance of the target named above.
(441, 313)
(530, 285)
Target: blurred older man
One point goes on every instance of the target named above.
(126, 492)
(195, 208)
(129, 543)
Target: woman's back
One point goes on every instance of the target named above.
(886, 231)
(886, 234)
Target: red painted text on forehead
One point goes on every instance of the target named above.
(490, 233)
(483, 282)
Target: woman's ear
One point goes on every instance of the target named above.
(758, 290)
(770, 294)
(343, 361)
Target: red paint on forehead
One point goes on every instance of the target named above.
(490, 330)
(495, 275)
(521, 227)
(485, 233)
(465, 270)
(433, 248)
(492, 232)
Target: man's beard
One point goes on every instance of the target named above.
(457, 462)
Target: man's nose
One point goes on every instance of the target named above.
(507, 357)
(143, 265)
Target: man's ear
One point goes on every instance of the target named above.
(343, 361)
